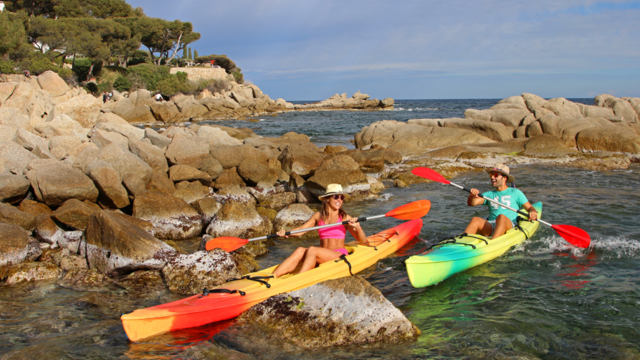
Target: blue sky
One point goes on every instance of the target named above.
(310, 50)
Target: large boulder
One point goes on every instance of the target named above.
(343, 311)
(608, 138)
(216, 136)
(14, 244)
(190, 108)
(510, 118)
(13, 188)
(302, 158)
(12, 215)
(293, 216)
(30, 141)
(378, 133)
(239, 220)
(116, 244)
(32, 101)
(492, 130)
(191, 191)
(84, 109)
(52, 83)
(61, 125)
(340, 169)
(75, 213)
(166, 112)
(563, 107)
(16, 158)
(114, 123)
(187, 150)
(259, 168)
(228, 179)
(172, 217)
(152, 155)
(374, 159)
(55, 183)
(159, 140)
(64, 146)
(112, 194)
(125, 163)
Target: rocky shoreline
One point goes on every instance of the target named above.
(90, 201)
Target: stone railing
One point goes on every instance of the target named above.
(201, 73)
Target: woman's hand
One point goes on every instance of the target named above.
(533, 214)
(282, 233)
(354, 224)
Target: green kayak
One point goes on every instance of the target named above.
(451, 256)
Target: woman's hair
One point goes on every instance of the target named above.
(324, 213)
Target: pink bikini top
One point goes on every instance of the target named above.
(336, 232)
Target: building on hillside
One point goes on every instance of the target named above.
(1, 6)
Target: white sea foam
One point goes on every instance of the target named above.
(612, 247)
(385, 197)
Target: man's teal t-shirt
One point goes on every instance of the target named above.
(511, 197)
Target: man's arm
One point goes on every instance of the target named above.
(474, 199)
(533, 213)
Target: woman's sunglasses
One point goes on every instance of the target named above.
(336, 197)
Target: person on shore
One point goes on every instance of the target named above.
(500, 219)
(331, 239)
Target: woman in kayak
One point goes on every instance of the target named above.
(331, 239)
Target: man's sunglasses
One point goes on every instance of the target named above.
(336, 197)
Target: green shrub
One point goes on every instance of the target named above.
(238, 76)
(152, 74)
(174, 84)
(6, 67)
(91, 87)
(81, 68)
(104, 86)
(122, 84)
(137, 82)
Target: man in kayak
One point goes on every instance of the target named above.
(500, 219)
(331, 238)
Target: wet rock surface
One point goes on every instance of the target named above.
(337, 312)
(189, 274)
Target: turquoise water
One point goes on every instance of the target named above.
(542, 299)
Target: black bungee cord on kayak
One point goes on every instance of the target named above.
(343, 257)
(206, 292)
(453, 240)
(260, 279)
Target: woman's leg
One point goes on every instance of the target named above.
(317, 255)
(290, 263)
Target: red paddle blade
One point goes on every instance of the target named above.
(226, 243)
(575, 236)
(410, 211)
(430, 174)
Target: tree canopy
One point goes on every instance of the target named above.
(99, 30)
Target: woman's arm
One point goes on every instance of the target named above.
(356, 230)
(310, 223)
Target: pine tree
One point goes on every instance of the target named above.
(184, 53)
(195, 54)
(190, 54)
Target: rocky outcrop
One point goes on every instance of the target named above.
(344, 311)
(54, 183)
(239, 220)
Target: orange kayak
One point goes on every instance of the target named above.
(232, 298)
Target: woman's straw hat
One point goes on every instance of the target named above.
(332, 189)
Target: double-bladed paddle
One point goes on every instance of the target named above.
(572, 234)
(414, 210)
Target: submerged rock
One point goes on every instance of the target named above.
(189, 274)
(342, 311)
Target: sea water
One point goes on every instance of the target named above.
(542, 299)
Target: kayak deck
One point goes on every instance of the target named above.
(463, 252)
(240, 294)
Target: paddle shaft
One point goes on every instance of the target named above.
(497, 203)
(360, 219)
